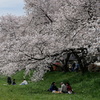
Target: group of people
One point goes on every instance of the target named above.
(13, 82)
(65, 88)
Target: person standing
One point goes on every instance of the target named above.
(9, 81)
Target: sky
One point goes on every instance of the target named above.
(13, 7)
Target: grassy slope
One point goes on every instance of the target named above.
(87, 87)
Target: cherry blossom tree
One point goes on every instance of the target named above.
(9, 36)
(50, 27)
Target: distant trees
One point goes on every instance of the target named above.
(50, 27)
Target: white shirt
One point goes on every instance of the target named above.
(24, 82)
(63, 88)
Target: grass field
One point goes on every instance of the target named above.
(87, 87)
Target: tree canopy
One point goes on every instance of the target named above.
(50, 27)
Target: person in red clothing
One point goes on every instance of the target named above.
(69, 88)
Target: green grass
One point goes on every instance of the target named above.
(87, 87)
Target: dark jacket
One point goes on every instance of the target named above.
(53, 87)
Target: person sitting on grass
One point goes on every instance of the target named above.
(63, 88)
(53, 87)
(13, 83)
(24, 82)
(69, 88)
